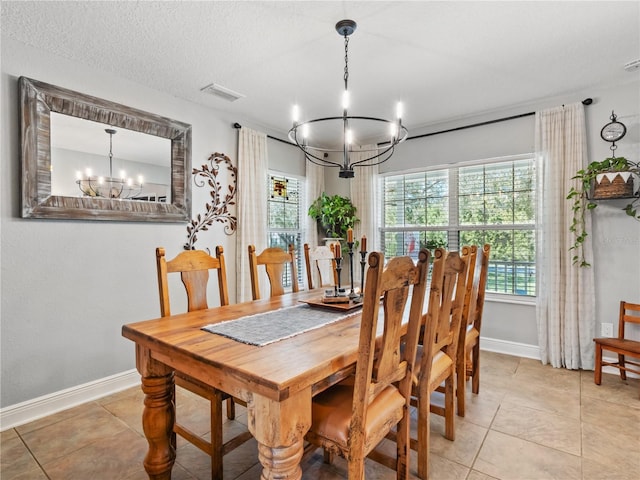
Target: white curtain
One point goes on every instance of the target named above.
(364, 196)
(314, 187)
(252, 204)
(565, 309)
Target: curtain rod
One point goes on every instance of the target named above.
(237, 125)
(586, 101)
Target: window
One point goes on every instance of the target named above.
(284, 217)
(490, 203)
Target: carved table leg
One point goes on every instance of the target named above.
(158, 417)
(279, 428)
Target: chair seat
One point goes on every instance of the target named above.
(631, 346)
(331, 412)
(441, 365)
(471, 337)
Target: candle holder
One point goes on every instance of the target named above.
(338, 270)
(352, 294)
(363, 262)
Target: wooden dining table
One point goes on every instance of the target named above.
(277, 380)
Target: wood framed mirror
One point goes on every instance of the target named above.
(40, 105)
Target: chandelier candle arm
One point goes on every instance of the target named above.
(395, 132)
(109, 187)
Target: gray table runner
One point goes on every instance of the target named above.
(264, 328)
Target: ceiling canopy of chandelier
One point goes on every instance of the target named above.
(109, 187)
(391, 132)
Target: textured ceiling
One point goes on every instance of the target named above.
(444, 60)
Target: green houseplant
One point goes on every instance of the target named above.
(334, 214)
(582, 200)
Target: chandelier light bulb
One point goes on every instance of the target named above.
(295, 114)
(123, 174)
(399, 111)
(88, 172)
(78, 175)
(305, 130)
(100, 180)
(345, 99)
(349, 137)
(393, 130)
(140, 179)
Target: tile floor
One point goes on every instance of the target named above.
(529, 422)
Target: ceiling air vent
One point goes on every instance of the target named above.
(222, 92)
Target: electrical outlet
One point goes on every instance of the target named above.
(606, 329)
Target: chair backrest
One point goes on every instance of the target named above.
(274, 260)
(193, 266)
(446, 302)
(482, 269)
(381, 364)
(473, 282)
(629, 313)
(320, 260)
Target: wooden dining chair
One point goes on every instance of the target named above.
(436, 356)
(468, 361)
(353, 416)
(320, 260)
(275, 261)
(194, 267)
(620, 345)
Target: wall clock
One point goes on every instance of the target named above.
(614, 130)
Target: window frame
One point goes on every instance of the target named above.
(453, 227)
(300, 232)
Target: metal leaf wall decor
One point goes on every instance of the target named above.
(221, 198)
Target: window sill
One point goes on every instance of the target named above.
(511, 299)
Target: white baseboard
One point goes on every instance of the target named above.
(510, 348)
(30, 410)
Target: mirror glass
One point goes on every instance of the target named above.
(80, 146)
(88, 158)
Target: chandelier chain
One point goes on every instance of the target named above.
(346, 61)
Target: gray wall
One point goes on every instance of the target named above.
(67, 287)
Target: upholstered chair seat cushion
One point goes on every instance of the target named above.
(331, 412)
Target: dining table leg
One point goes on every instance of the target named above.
(158, 416)
(279, 428)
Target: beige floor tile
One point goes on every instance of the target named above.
(609, 446)
(612, 416)
(593, 470)
(16, 459)
(612, 389)
(473, 475)
(498, 363)
(465, 447)
(548, 429)
(547, 398)
(85, 408)
(510, 458)
(128, 407)
(62, 438)
(115, 456)
(8, 435)
(481, 408)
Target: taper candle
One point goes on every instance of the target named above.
(350, 235)
(338, 253)
(363, 244)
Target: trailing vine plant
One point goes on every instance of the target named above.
(221, 198)
(581, 203)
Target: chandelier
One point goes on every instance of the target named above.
(109, 187)
(395, 133)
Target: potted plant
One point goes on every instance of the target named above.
(611, 178)
(334, 214)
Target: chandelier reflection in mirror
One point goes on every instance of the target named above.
(391, 132)
(121, 187)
